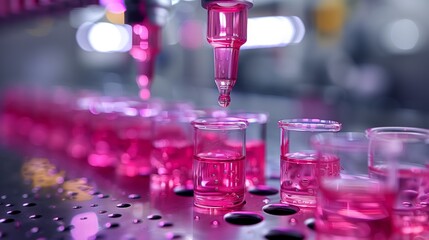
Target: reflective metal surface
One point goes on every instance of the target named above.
(52, 197)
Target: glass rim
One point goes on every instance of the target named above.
(395, 129)
(354, 141)
(224, 123)
(310, 125)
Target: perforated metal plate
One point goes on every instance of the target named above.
(52, 197)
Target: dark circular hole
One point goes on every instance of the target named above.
(184, 192)
(263, 190)
(114, 215)
(102, 211)
(123, 205)
(9, 205)
(111, 225)
(311, 223)
(243, 218)
(281, 234)
(171, 235)
(280, 209)
(77, 207)
(94, 205)
(154, 217)
(93, 192)
(134, 196)
(100, 195)
(165, 224)
(57, 218)
(7, 220)
(135, 221)
(35, 216)
(30, 204)
(63, 228)
(13, 212)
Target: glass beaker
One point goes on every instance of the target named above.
(298, 181)
(219, 167)
(134, 129)
(256, 134)
(400, 155)
(173, 147)
(349, 205)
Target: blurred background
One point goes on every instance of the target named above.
(360, 62)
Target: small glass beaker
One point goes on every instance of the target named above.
(349, 205)
(134, 129)
(173, 147)
(256, 134)
(400, 155)
(219, 168)
(298, 160)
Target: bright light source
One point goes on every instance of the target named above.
(104, 37)
(275, 31)
(402, 35)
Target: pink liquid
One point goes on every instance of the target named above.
(255, 163)
(173, 158)
(104, 142)
(353, 209)
(299, 177)
(219, 179)
(135, 156)
(411, 205)
(226, 32)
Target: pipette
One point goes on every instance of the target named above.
(146, 18)
(226, 32)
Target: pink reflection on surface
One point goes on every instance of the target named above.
(85, 226)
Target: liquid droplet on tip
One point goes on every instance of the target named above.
(224, 100)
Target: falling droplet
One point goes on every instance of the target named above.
(215, 223)
(111, 225)
(197, 218)
(154, 217)
(134, 196)
(165, 224)
(3, 197)
(114, 215)
(224, 100)
(25, 195)
(34, 230)
(266, 200)
(292, 221)
(123, 205)
(135, 221)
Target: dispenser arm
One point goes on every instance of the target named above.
(146, 17)
(226, 32)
